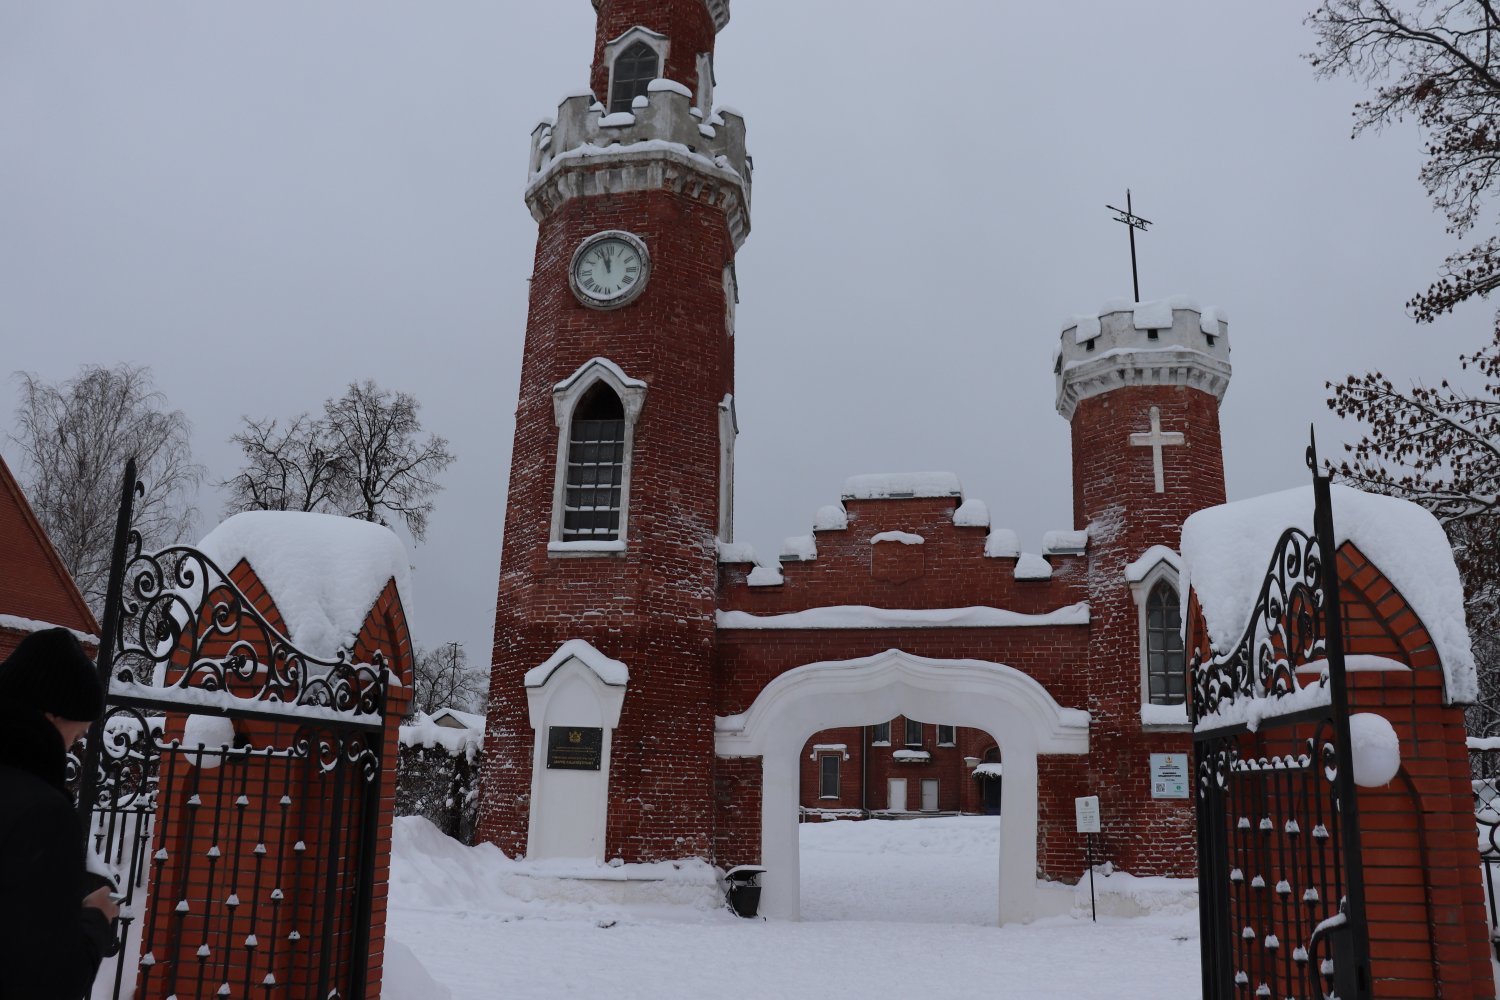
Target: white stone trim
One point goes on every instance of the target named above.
(565, 397)
(1012, 707)
(659, 43)
(704, 99)
(729, 429)
(1156, 565)
(570, 809)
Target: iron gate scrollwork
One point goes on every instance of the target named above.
(233, 784)
(1281, 894)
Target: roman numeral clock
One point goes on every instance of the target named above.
(609, 269)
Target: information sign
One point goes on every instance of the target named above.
(1087, 810)
(1169, 776)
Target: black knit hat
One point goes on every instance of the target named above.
(50, 672)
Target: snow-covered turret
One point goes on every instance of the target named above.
(1167, 342)
(586, 151)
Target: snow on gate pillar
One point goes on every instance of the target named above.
(1409, 662)
(258, 848)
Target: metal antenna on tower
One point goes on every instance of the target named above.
(1132, 222)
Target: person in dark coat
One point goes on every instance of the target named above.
(54, 917)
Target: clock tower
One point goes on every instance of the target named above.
(600, 731)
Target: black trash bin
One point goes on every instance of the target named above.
(744, 888)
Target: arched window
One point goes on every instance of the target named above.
(636, 67)
(596, 466)
(1166, 678)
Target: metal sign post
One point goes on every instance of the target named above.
(1086, 810)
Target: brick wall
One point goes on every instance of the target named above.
(954, 573)
(1424, 902)
(686, 23)
(274, 833)
(1114, 495)
(652, 607)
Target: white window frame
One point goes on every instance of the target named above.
(659, 43)
(875, 740)
(565, 398)
(838, 776)
(705, 96)
(1141, 589)
(952, 739)
(729, 429)
(921, 733)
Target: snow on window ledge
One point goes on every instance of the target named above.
(1164, 716)
(588, 547)
(829, 748)
(911, 756)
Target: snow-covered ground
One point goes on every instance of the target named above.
(889, 908)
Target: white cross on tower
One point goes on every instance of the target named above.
(1155, 440)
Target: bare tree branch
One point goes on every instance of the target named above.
(77, 437)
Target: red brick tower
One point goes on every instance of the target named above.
(619, 482)
(1141, 386)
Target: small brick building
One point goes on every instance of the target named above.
(658, 693)
(36, 590)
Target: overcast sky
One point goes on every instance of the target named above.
(265, 200)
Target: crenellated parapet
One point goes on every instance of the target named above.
(1167, 342)
(663, 142)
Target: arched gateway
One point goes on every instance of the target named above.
(1017, 711)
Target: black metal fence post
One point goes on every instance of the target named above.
(88, 779)
(1347, 793)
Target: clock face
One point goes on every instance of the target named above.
(609, 269)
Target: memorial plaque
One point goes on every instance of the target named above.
(574, 748)
(1169, 776)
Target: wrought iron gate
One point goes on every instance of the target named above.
(1281, 895)
(234, 784)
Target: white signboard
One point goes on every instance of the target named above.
(1169, 775)
(1087, 810)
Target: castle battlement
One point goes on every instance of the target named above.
(1167, 342)
(663, 141)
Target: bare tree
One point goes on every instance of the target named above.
(382, 460)
(77, 436)
(1437, 61)
(1440, 447)
(443, 678)
(291, 468)
(364, 457)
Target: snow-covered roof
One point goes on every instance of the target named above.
(452, 718)
(1031, 566)
(735, 552)
(1002, 543)
(900, 485)
(324, 572)
(972, 513)
(610, 671)
(831, 517)
(1226, 550)
(989, 770)
(1065, 542)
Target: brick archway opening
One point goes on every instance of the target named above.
(1017, 711)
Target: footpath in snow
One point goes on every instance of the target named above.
(890, 907)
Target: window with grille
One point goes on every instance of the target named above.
(596, 466)
(913, 733)
(945, 736)
(881, 733)
(635, 68)
(1166, 679)
(828, 776)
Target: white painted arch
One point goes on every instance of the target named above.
(1015, 709)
